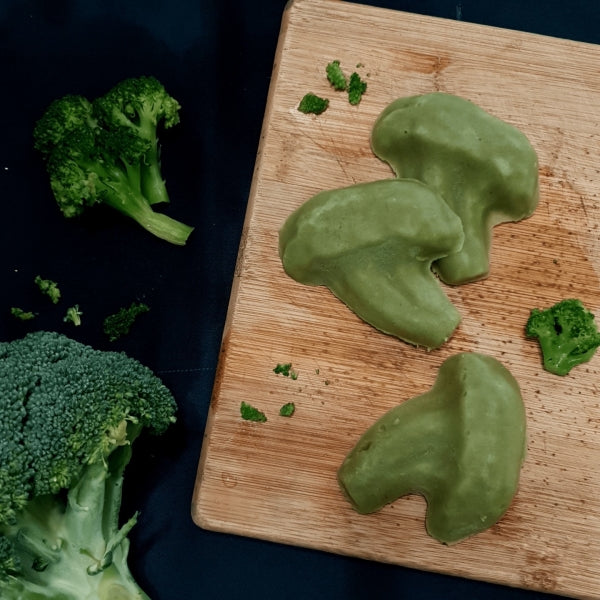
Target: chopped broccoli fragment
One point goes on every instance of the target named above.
(335, 75)
(567, 334)
(73, 315)
(356, 88)
(22, 315)
(69, 415)
(119, 324)
(249, 413)
(285, 369)
(311, 103)
(49, 288)
(287, 410)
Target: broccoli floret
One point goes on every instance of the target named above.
(335, 75)
(567, 334)
(21, 314)
(119, 324)
(250, 413)
(356, 88)
(287, 410)
(311, 103)
(48, 288)
(106, 152)
(69, 415)
(73, 315)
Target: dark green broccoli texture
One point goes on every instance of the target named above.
(120, 323)
(106, 152)
(70, 414)
(567, 333)
(311, 103)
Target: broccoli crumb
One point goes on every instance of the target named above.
(285, 369)
(249, 413)
(287, 410)
(22, 315)
(311, 103)
(73, 315)
(48, 288)
(335, 76)
(119, 324)
(356, 88)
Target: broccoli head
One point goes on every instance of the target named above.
(100, 153)
(69, 415)
(567, 334)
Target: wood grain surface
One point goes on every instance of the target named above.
(277, 480)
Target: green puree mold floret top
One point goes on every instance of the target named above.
(460, 445)
(372, 245)
(484, 168)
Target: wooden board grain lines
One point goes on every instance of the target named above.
(277, 480)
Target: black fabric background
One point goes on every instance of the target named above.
(215, 57)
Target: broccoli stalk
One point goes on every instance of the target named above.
(106, 152)
(69, 416)
(567, 334)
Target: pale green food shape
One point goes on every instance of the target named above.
(485, 169)
(460, 445)
(372, 245)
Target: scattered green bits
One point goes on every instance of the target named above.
(287, 410)
(356, 88)
(73, 315)
(119, 324)
(335, 75)
(285, 369)
(48, 288)
(249, 413)
(311, 103)
(22, 315)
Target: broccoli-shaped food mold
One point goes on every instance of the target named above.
(460, 445)
(372, 244)
(484, 168)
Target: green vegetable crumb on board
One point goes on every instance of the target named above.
(73, 315)
(335, 75)
(287, 410)
(22, 315)
(250, 413)
(311, 103)
(119, 324)
(48, 288)
(356, 88)
(567, 333)
(285, 369)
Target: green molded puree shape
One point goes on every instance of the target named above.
(372, 245)
(460, 445)
(485, 169)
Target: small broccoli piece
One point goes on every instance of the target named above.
(73, 315)
(567, 334)
(69, 415)
(48, 288)
(285, 369)
(287, 410)
(106, 152)
(119, 324)
(311, 103)
(335, 75)
(22, 315)
(249, 413)
(356, 88)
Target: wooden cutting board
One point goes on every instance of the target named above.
(277, 480)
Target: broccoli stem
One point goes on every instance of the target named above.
(129, 202)
(152, 183)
